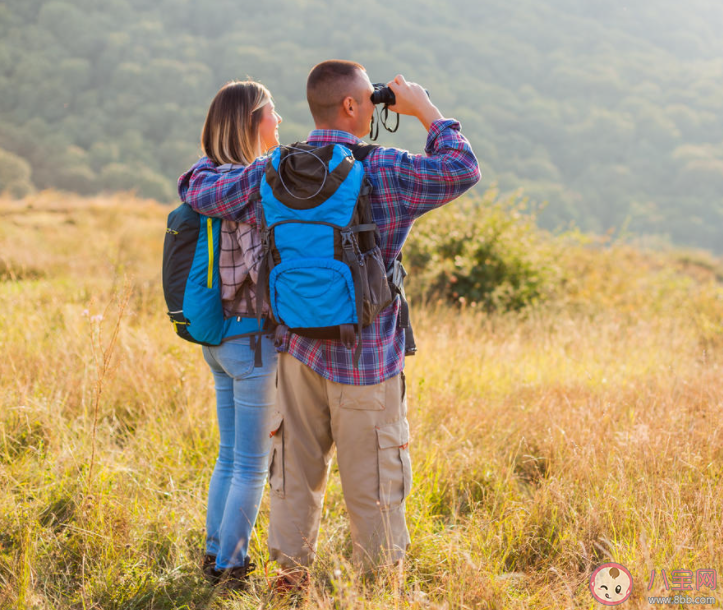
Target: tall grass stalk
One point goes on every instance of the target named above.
(103, 359)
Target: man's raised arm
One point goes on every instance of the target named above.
(448, 169)
(226, 195)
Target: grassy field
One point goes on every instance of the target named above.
(545, 442)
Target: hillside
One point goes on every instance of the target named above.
(609, 110)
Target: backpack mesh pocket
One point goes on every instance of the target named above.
(377, 294)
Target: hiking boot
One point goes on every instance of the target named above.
(291, 584)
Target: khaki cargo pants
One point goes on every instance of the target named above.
(369, 426)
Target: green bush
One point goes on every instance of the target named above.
(484, 251)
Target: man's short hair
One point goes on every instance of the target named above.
(328, 84)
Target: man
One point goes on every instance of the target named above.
(323, 398)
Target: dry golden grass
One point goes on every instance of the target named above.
(544, 443)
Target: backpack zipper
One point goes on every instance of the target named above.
(209, 230)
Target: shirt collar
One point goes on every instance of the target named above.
(332, 136)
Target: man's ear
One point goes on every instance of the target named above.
(349, 106)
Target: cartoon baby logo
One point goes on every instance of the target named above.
(611, 584)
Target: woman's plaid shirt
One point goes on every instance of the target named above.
(404, 186)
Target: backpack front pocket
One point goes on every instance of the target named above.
(204, 314)
(312, 293)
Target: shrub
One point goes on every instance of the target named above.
(486, 251)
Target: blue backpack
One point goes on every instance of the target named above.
(192, 284)
(322, 271)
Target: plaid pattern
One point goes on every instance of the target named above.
(404, 186)
(238, 264)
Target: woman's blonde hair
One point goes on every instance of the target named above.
(231, 131)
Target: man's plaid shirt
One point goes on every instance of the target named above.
(404, 186)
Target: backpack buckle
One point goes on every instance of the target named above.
(396, 274)
(366, 188)
(266, 239)
(350, 245)
(347, 240)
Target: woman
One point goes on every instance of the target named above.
(241, 125)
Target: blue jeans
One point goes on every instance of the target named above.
(245, 397)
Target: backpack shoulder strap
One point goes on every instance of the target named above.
(362, 150)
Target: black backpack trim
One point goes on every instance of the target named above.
(179, 248)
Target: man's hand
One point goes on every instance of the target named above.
(413, 100)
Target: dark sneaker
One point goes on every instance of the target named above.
(237, 578)
(210, 573)
(234, 579)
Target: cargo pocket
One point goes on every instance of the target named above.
(276, 455)
(395, 467)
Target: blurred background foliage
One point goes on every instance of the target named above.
(607, 110)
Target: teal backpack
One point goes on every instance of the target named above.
(192, 283)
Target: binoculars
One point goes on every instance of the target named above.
(384, 95)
